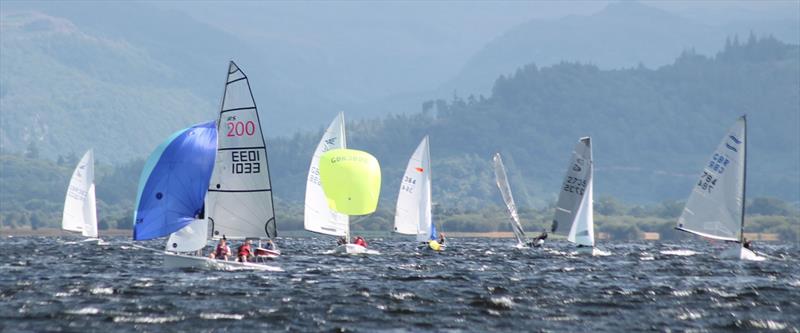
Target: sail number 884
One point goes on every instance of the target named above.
(246, 161)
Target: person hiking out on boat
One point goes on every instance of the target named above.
(360, 241)
(539, 240)
(244, 253)
(441, 238)
(270, 245)
(223, 251)
(747, 244)
(341, 241)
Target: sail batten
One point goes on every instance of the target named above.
(505, 190)
(413, 211)
(239, 203)
(715, 208)
(318, 217)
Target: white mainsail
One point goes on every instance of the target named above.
(318, 217)
(80, 207)
(575, 202)
(715, 208)
(413, 214)
(190, 238)
(239, 199)
(505, 190)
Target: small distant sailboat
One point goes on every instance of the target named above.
(575, 201)
(210, 181)
(318, 216)
(505, 190)
(413, 215)
(715, 208)
(80, 207)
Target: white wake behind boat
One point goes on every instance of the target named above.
(413, 213)
(318, 217)
(80, 205)
(575, 201)
(716, 206)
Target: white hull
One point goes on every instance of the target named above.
(591, 251)
(353, 249)
(174, 260)
(740, 253)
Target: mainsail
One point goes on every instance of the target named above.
(574, 206)
(413, 214)
(505, 191)
(318, 217)
(174, 181)
(239, 201)
(80, 211)
(715, 208)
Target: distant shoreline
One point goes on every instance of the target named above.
(54, 232)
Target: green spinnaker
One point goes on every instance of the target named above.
(351, 180)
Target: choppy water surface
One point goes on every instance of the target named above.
(476, 285)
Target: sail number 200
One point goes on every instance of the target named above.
(239, 128)
(246, 161)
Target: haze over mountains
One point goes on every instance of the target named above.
(76, 75)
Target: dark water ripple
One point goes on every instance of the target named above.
(53, 284)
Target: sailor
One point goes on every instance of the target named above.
(360, 241)
(222, 251)
(341, 241)
(270, 245)
(441, 238)
(748, 244)
(539, 240)
(244, 253)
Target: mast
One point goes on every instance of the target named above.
(744, 180)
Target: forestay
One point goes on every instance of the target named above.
(574, 206)
(174, 181)
(714, 209)
(318, 216)
(239, 201)
(505, 190)
(80, 211)
(413, 214)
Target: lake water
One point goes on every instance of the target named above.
(54, 284)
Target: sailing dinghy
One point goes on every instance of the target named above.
(210, 181)
(80, 207)
(575, 201)
(318, 216)
(715, 208)
(505, 190)
(413, 213)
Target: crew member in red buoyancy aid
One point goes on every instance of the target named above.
(244, 253)
(360, 241)
(223, 251)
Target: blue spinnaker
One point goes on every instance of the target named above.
(433, 231)
(174, 182)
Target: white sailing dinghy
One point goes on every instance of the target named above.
(505, 190)
(80, 207)
(211, 181)
(318, 217)
(715, 208)
(575, 201)
(413, 213)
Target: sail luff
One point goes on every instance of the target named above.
(744, 178)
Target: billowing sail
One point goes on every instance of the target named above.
(318, 216)
(413, 214)
(80, 211)
(239, 201)
(505, 190)
(714, 209)
(574, 206)
(351, 180)
(174, 181)
(192, 237)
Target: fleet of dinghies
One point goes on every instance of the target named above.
(211, 182)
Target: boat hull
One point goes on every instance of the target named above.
(182, 261)
(353, 249)
(591, 251)
(740, 253)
